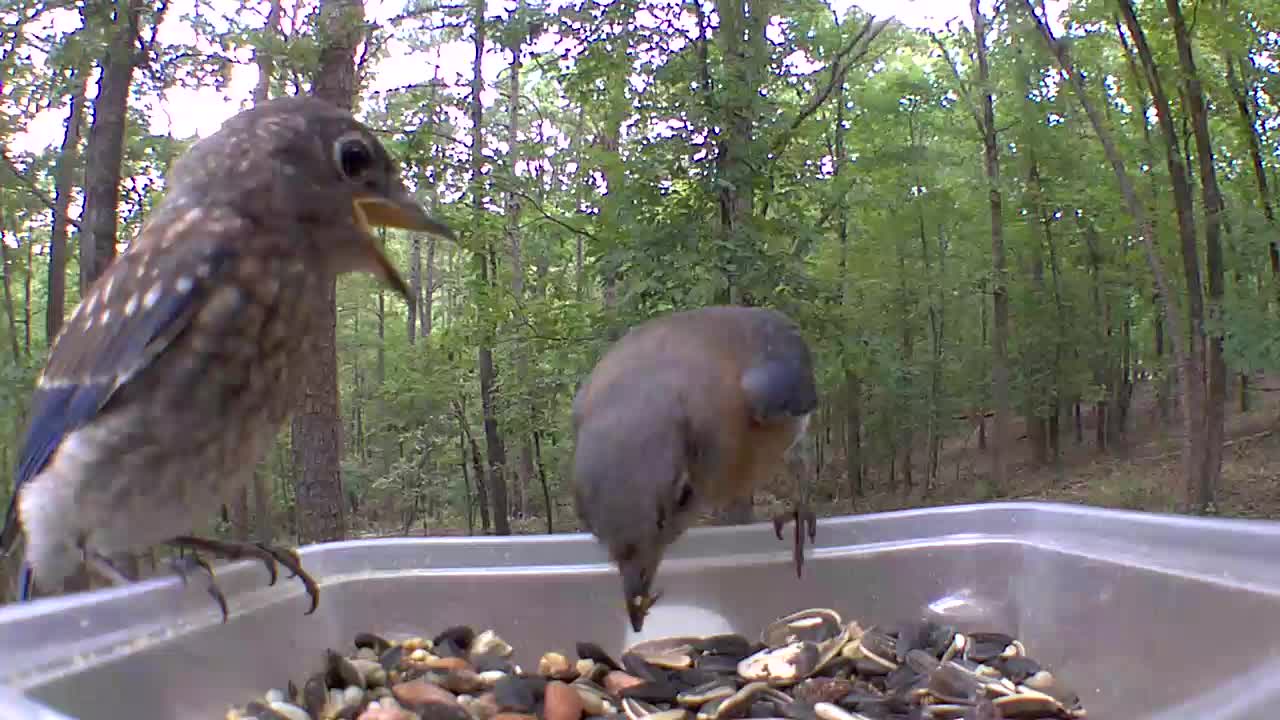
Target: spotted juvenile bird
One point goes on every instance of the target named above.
(688, 412)
(172, 377)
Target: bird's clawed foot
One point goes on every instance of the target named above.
(187, 565)
(806, 524)
(269, 555)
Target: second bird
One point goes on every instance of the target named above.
(685, 413)
(175, 373)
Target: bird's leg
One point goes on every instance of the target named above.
(185, 565)
(102, 566)
(803, 516)
(268, 554)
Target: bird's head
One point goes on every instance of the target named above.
(634, 488)
(303, 162)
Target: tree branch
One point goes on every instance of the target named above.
(33, 187)
(845, 59)
(542, 211)
(960, 85)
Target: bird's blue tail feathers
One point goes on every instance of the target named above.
(24, 582)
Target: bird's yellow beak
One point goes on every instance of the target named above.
(398, 210)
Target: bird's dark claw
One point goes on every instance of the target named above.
(289, 559)
(269, 555)
(233, 551)
(638, 607)
(186, 565)
(806, 524)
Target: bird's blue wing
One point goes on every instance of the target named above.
(132, 313)
(780, 381)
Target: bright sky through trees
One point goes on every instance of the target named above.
(183, 112)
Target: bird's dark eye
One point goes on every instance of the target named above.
(354, 157)
(686, 496)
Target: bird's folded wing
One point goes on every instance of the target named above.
(779, 382)
(144, 299)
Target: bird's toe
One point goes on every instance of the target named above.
(288, 558)
(806, 523)
(232, 551)
(188, 565)
(270, 555)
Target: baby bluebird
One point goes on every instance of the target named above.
(177, 370)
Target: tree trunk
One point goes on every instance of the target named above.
(239, 515)
(579, 242)
(263, 59)
(317, 424)
(852, 382)
(542, 477)
(1077, 417)
(1140, 99)
(1055, 433)
(428, 289)
(999, 293)
(6, 283)
(419, 308)
(1101, 329)
(1122, 395)
(469, 448)
(450, 290)
(853, 436)
(1211, 199)
(1164, 383)
(406, 522)
(932, 428)
(524, 466)
(1117, 379)
(357, 404)
(482, 486)
(27, 271)
(613, 211)
(907, 347)
(938, 325)
(1037, 388)
(104, 152)
(744, 53)
(1055, 268)
(415, 287)
(63, 187)
(495, 478)
(1196, 407)
(982, 327)
(466, 480)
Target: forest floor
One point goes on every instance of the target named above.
(1143, 474)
